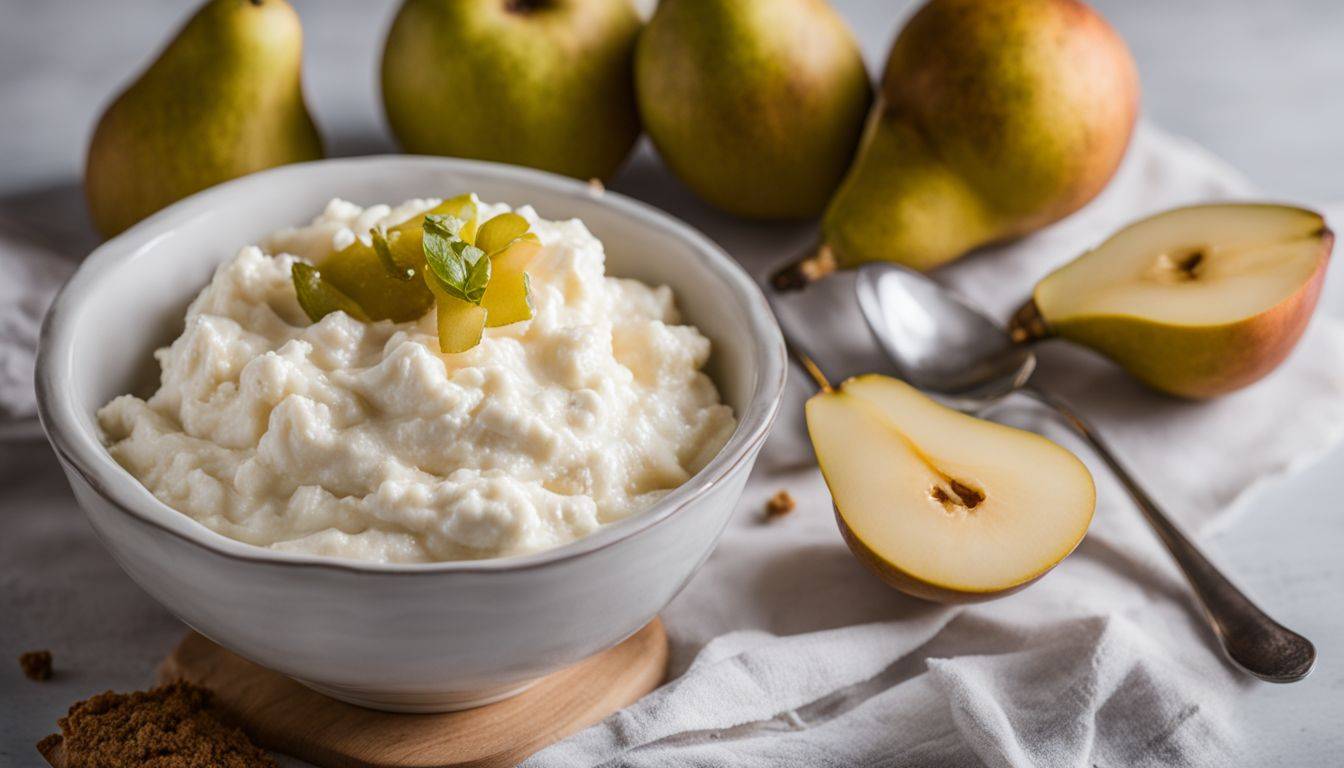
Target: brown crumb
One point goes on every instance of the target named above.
(178, 725)
(780, 504)
(36, 665)
(596, 186)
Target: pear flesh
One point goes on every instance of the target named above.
(541, 83)
(1197, 301)
(223, 100)
(994, 119)
(757, 105)
(941, 505)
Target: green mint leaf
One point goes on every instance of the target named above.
(439, 255)
(478, 275)
(384, 251)
(460, 268)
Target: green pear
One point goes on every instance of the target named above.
(757, 105)
(543, 83)
(995, 118)
(223, 100)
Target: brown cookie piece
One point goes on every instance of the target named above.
(177, 725)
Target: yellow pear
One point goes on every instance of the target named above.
(994, 118)
(941, 505)
(542, 83)
(223, 100)
(1196, 301)
(756, 104)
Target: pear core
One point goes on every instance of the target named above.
(942, 505)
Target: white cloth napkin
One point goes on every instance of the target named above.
(31, 275)
(787, 652)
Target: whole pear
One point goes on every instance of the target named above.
(757, 105)
(543, 83)
(223, 100)
(995, 118)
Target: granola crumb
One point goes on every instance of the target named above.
(178, 725)
(36, 665)
(781, 503)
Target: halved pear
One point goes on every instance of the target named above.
(941, 505)
(1196, 301)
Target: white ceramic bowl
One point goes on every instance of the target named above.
(425, 637)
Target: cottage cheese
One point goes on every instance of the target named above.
(361, 441)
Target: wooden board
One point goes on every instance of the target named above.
(286, 717)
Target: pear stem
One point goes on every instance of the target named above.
(1028, 325)
(811, 367)
(819, 263)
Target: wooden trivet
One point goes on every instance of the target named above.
(286, 717)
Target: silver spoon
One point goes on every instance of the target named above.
(941, 345)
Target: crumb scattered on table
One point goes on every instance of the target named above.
(36, 665)
(178, 725)
(781, 503)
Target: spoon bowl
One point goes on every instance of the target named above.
(938, 342)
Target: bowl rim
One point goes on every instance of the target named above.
(85, 454)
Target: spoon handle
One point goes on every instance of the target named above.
(1251, 639)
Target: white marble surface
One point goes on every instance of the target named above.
(1256, 82)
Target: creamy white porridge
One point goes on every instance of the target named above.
(361, 440)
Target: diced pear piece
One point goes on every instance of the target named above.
(461, 324)
(319, 298)
(508, 296)
(1196, 301)
(358, 272)
(941, 505)
(397, 259)
(499, 231)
